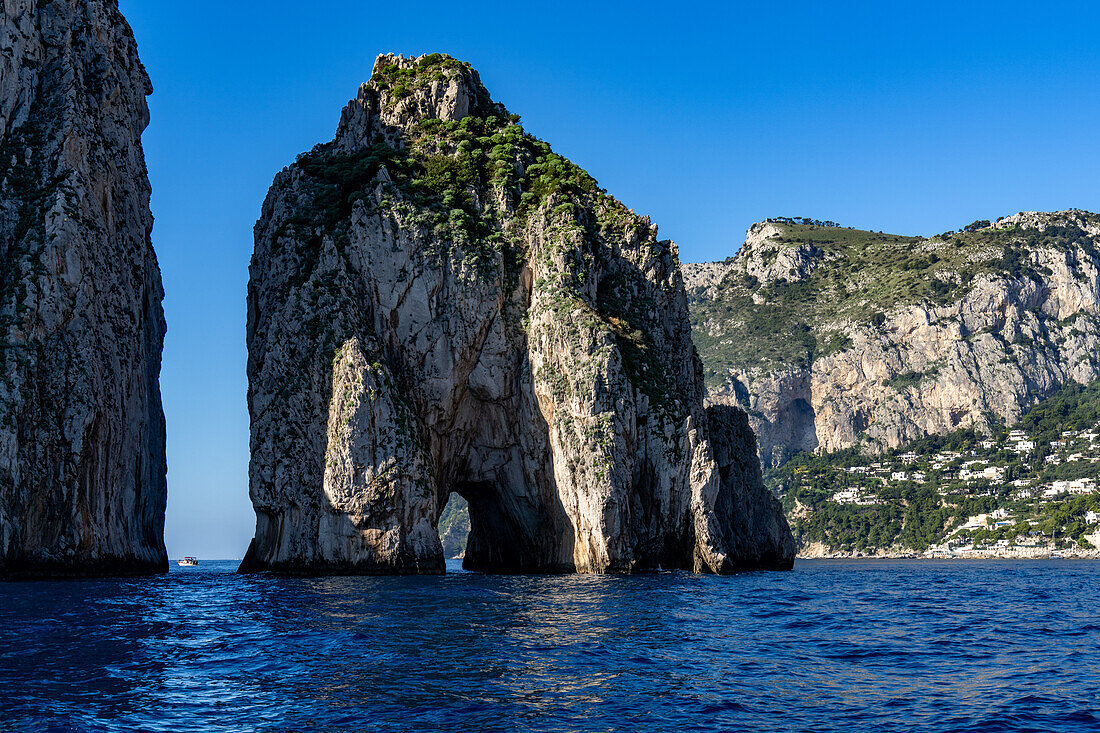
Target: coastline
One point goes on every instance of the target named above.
(1018, 553)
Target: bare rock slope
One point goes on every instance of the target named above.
(438, 303)
(82, 466)
(835, 338)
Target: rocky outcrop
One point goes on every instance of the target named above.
(438, 304)
(994, 319)
(746, 508)
(82, 465)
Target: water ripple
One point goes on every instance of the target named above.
(833, 646)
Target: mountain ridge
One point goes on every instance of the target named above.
(832, 337)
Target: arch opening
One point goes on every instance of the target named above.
(454, 527)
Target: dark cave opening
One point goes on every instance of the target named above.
(492, 532)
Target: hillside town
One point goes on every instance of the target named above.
(1018, 493)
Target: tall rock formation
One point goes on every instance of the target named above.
(835, 338)
(82, 466)
(438, 303)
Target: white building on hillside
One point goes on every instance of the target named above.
(853, 496)
(1077, 486)
(989, 473)
(1082, 486)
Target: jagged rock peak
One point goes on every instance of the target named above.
(434, 86)
(406, 91)
(440, 304)
(82, 465)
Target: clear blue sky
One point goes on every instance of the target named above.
(907, 117)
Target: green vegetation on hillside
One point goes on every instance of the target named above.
(856, 278)
(1074, 407)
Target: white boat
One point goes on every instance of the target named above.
(187, 562)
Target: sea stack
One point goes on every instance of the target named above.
(438, 303)
(82, 464)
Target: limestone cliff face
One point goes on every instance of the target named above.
(890, 339)
(82, 466)
(440, 304)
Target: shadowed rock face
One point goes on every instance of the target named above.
(440, 304)
(82, 467)
(746, 509)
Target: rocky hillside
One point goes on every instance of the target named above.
(440, 304)
(835, 338)
(82, 466)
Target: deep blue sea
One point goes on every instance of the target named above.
(832, 646)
